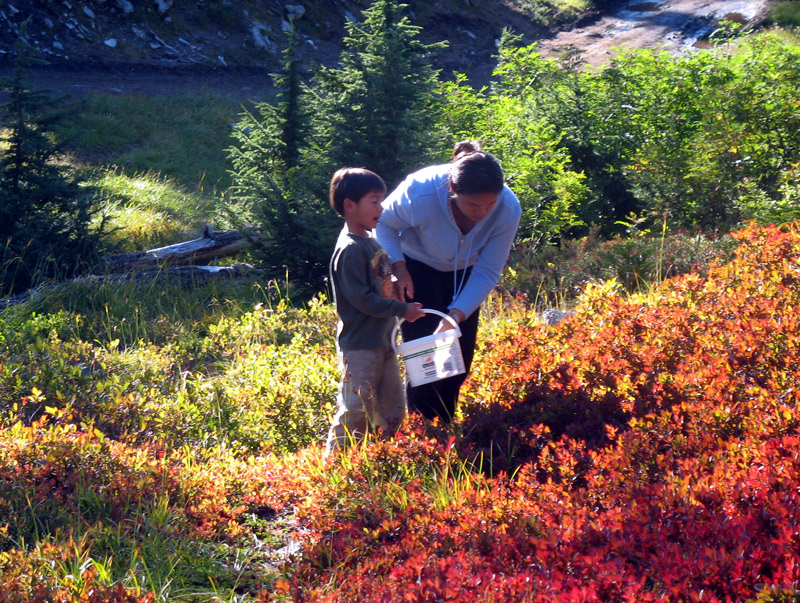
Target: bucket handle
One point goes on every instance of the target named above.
(427, 311)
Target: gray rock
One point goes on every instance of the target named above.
(163, 5)
(552, 317)
(126, 6)
(259, 32)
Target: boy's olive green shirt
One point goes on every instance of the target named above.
(363, 291)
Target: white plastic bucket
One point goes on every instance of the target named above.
(433, 357)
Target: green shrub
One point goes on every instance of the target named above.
(557, 274)
(785, 13)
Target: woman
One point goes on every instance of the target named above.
(448, 230)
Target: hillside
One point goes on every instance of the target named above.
(172, 39)
(244, 36)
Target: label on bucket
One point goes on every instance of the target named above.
(432, 358)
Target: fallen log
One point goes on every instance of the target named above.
(183, 276)
(210, 246)
(182, 263)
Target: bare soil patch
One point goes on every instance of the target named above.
(673, 25)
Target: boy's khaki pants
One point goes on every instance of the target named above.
(370, 396)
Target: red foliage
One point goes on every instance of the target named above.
(70, 474)
(640, 451)
(19, 582)
(655, 456)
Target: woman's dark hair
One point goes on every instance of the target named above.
(353, 183)
(474, 172)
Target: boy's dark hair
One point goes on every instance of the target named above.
(353, 183)
(474, 172)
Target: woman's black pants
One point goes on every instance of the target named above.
(434, 290)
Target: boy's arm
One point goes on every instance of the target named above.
(354, 284)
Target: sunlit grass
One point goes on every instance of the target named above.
(148, 210)
(552, 12)
(159, 161)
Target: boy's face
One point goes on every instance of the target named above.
(364, 214)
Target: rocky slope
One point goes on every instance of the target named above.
(241, 35)
(173, 45)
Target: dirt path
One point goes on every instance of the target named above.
(674, 25)
(78, 83)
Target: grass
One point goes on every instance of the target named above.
(149, 210)
(131, 312)
(184, 135)
(159, 162)
(552, 12)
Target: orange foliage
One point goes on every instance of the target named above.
(19, 582)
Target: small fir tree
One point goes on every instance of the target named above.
(277, 188)
(45, 212)
(372, 111)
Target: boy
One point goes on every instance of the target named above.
(371, 390)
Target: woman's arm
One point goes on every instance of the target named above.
(404, 285)
(488, 268)
(397, 215)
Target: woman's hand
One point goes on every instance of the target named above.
(447, 325)
(404, 285)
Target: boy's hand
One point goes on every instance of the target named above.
(414, 311)
(404, 284)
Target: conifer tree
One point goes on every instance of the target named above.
(294, 119)
(277, 188)
(372, 111)
(45, 211)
